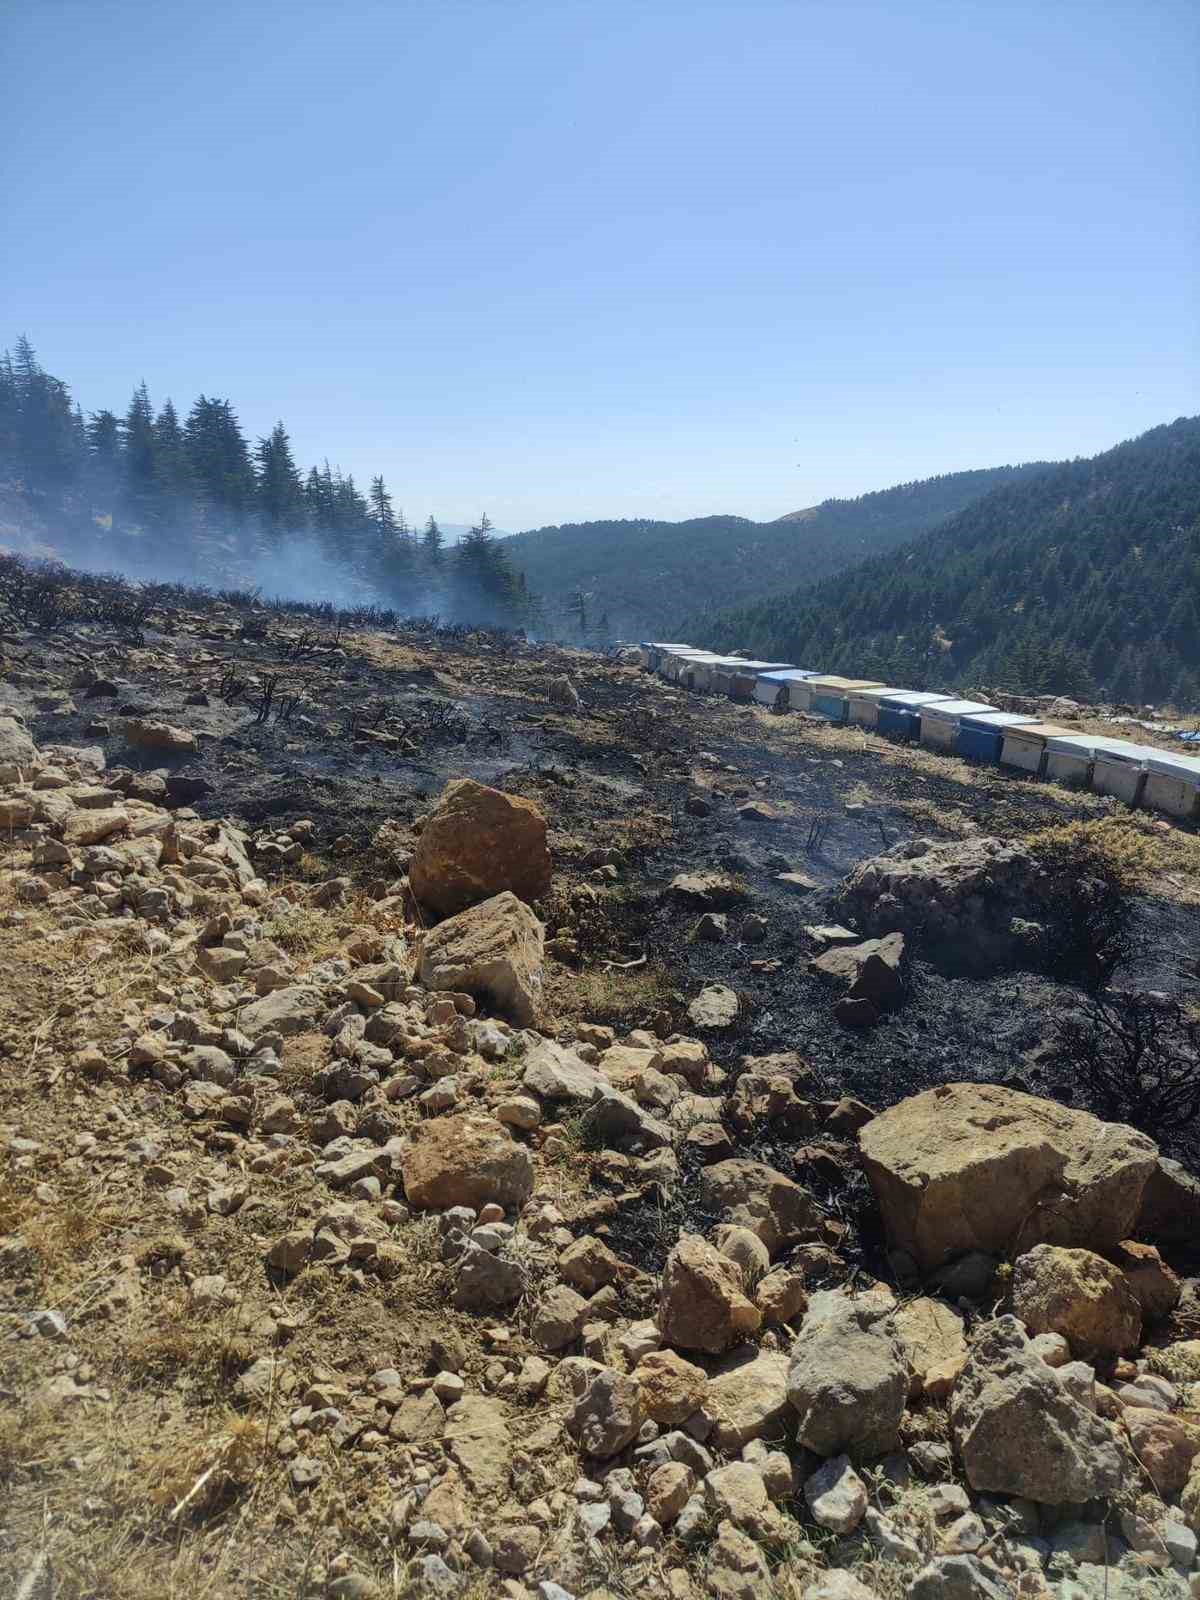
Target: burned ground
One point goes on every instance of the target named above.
(639, 783)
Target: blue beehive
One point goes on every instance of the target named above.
(981, 736)
(900, 714)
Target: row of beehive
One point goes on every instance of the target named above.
(1136, 774)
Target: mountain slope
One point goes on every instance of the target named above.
(643, 574)
(1084, 578)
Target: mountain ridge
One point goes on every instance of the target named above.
(1083, 579)
(637, 571)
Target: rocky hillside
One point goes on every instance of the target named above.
(478, 1122)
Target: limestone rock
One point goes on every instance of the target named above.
(671, 1388)
(1151, 1281)
(161, 737)
(17, 749)
(958, 1577)
(712, 891)
(780, 1295)
(558, 1317)
(1080, 1295)
(739, 1493)
(91, 827)
(701, 1304)
(839, 1584)
(744, 1248)
(1165, 1447)
(291, 1010)
(492, 951)
(589, 1264)
(607, 1414)
(478, 843)
(668, 1491)
(931, 1335)
(485, 1282)
(970, 901)
(755, 1196)
(1170, 1211)
(747, 1397)
(836, 1495)
(872, 971)
(1020, 1431)
(556, 1073)
(479, 1439)
(848, 1380)
(715, 1007)
(465, 1160)
(973, 1166)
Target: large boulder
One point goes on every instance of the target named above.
(492, 951)
(872, 970)
(160, 737)
(702, 1304)
(478, 843)
(465, 1160)
(970, 901)
(16, 747)
(1021, 1431)
(1170, 1211)
(1080, 1295)
(973, 1166)
(755, 1196)
(848, 1379)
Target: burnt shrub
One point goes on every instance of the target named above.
(1135, 1058)
(1092, 873)
(35, 594)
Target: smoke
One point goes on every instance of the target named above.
(295, 565)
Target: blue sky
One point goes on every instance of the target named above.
(560, 260)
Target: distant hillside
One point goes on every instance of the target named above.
(1082, 579)
(644, 574)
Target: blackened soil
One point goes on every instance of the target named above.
(625, 765)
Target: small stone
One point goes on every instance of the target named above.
(836, 1495)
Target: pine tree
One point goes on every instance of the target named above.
(104, 448)
(219, 455)
(432, 542)
(281, 499)
(137, 436)
(382, 514)
(577, 608)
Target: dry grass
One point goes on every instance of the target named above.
(621, 998)
(946, 818)
(1145, 855)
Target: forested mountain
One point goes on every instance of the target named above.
(1084, 579)
(153, 494)
(636, 577)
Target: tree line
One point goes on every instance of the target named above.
(156, 494)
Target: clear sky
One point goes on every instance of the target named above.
(560, 260)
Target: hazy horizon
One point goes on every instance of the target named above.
(560, 262)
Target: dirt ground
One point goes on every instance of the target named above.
(129, 1467)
